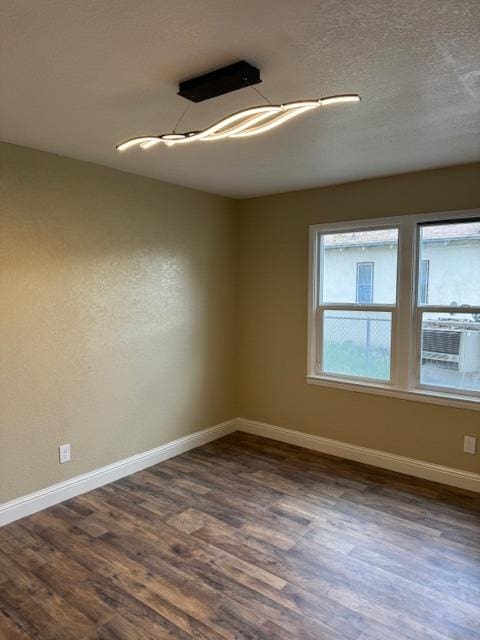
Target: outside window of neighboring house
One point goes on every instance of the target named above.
(423, 281)
(364, 282)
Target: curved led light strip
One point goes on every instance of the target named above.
(276, 120)
(249, 122)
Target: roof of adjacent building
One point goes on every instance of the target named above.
(430, 233)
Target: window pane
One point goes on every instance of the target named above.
(342, 278)
(453, 254)
(357, 343)
(450, 350)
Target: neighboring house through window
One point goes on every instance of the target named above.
(365, 282)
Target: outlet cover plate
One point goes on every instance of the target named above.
(64, 453)
(470, 444)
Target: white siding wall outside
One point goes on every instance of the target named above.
(340, 273)
(452, 269)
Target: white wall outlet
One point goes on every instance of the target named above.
(470, 444)
(64, 453)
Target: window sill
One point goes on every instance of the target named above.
(415, 395)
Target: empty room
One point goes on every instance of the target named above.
(239, 320)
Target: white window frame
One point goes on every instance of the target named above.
(406, 314)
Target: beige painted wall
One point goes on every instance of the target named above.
(273, 319)
(116, 315)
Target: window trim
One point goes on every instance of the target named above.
(403, 383)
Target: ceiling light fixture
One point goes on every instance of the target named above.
(248, 122)
(339, 99)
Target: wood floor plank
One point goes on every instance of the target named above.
(247, 539)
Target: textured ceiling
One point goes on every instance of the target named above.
(78, 77)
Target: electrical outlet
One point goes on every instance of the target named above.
(470, 444)
(64, 453)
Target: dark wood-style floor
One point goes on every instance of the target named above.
(246, 538)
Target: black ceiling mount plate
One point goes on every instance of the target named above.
(235, 76)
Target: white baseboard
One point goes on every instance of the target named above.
(26, 505)
(409, 466)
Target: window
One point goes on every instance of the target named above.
(364, 281)
(423, 281)
(414, 328)
(355, 327)
(447, 326)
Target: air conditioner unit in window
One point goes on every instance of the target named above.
(454, 349)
